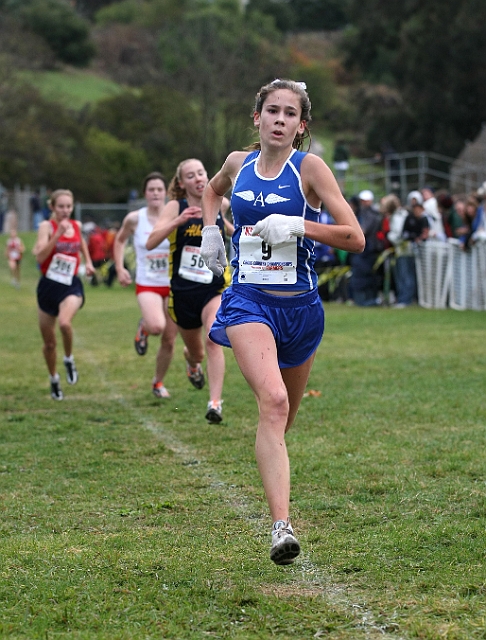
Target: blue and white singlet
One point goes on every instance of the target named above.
(288, 266)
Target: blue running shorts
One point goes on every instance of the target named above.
(297, 322)
(50, 294)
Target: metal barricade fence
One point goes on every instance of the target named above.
(433, 267)
(468, 285)
(449, 276)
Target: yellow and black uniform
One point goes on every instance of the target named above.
(192, 284)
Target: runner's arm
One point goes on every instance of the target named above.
(165, 225)
(46, 241)
(127, 229)
(320, 185)
(212, 200)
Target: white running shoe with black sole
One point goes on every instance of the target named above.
(56, 391)
(214, 412)
(285, 546)
(71, 371)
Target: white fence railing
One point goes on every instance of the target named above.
(449, 276)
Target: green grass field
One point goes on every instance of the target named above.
(74, 88)
(127, 517)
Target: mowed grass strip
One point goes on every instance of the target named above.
(126, 517)
(74, 88)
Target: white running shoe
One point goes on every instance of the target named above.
(71, 371)
(214, 413)
(285, 546)
(56, 392)
(159, 390)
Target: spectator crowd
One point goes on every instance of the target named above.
(385, 273)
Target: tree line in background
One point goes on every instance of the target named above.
(407, 75)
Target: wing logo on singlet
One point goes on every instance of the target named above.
(272, 198)
(246, 195)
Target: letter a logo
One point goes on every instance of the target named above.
(259, 199)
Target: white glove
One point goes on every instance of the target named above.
(213, 251)
(277, 228)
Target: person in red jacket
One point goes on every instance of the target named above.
(97, 250)
(97, 247)
(60, 292)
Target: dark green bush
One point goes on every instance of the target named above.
(67, 34)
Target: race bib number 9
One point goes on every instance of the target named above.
(157, 265)
(193, 267)
(62, 268)
(261, 263)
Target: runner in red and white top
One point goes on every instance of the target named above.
(60, 292)
(151, 279)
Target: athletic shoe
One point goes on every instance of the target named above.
(285, 546)
(71, 371)
(159, 390)
(214, 413)
(141, 340)
(56, 393)
(195, 375)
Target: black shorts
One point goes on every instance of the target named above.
(185, 308)
(50, 294)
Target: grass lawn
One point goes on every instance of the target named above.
(127, 517)
(74, 88)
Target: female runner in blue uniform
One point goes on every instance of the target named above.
(195, 291)
(272, 315)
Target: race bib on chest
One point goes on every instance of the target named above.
(193, 267)
(157, 265)
(62, 268)
(260, 263)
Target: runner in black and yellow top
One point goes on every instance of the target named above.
(195, 292)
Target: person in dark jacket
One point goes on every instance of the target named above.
(365, 282)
